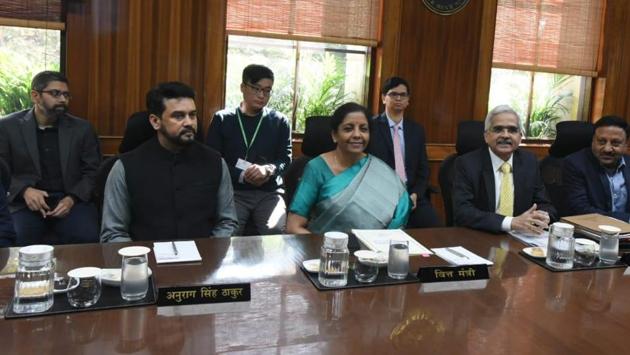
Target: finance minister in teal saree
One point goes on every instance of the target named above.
(347, 188)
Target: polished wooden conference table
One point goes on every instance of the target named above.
(523, 308)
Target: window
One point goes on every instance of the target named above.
(545, 56)
(319, 51)
(311, 78)
(30, 41)
(24, 52)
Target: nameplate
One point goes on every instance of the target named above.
(453, 273)
(185, 295)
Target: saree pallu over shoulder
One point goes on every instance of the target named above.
(369, 201)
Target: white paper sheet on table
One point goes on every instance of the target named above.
(532, 240)
(378, 240)
(186, 252)
(468, 258)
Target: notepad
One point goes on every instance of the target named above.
(186, 252)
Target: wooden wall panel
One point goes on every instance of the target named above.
(617, 59)
(119, 49)
(441, 57)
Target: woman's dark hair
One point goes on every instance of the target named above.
(342, 111)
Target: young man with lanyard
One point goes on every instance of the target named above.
(255, 142)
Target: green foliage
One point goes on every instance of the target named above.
(545, 116)
(322, 92)
(23, 53)
(14, 86)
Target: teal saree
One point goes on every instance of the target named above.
(368, 195)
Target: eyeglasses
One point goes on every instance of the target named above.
(398, 95)
(57, 93)
(258, 90)
(500, 129)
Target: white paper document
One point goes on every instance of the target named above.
(378, 240)
(180, 252)
(531, 239)
(460, 256)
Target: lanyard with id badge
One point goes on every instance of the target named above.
(243, 164)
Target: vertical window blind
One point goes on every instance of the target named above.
(341, 21)
(561, 36)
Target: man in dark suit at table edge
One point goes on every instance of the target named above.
(498, 188)
(410, 161)
(595, 179)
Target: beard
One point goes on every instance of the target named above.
(56, 111)
(184, 138)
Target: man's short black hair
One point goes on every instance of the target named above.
(614, 121)
(342, 111)
(41, 80)
(254, 73)
(165, 91)
(392, 83)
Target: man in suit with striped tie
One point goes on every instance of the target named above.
(400, 142)
(498, 187)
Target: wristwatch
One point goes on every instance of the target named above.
(269, 169)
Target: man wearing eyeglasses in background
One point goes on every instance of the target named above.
(498, 188)
(53, 157)
(255, 142)
(400, 142)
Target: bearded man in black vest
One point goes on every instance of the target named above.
(170, 187)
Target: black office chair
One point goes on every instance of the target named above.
(469, 138)
(139, 130)
(571, 136)
(317, 140)
(5, 175)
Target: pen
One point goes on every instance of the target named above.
(174, 248)
(456, 253)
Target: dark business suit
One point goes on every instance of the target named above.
(474, 200)
(586, 186)
(79, 157)
(416, 165)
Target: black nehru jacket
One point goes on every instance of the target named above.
(172, 195)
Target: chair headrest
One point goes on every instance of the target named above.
(469, 136)
(317, 138)
(571, 136)
(138, 131)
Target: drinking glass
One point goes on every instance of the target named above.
(34, 279)
(84, 288)
(398, 264)
(608, 244)
(134, 278)
(561, 246)
(365, 266)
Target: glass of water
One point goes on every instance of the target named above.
(134, 278)
(398, 264)
(85, 286)
(608, 244)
